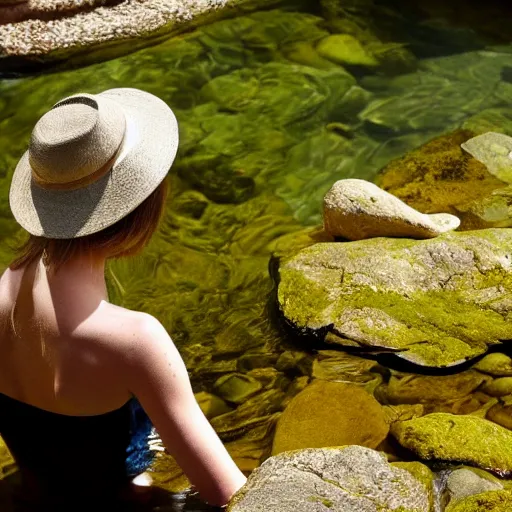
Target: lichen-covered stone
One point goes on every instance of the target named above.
(490, 501)
(357, 209)
(467, 439)
(351, 479)
(330, 414)
(441, 177)
(433, 302)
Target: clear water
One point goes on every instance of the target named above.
(267, 125)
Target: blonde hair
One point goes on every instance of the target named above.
(126, 237)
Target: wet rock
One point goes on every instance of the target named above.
(429, 390)
(339, 366)
(352, 479)
(448, 305)
(501, 413)
(497, 119)
(438, 436)
(497, 364)
(345, 49)
(491, 501)
(465, 482)
(422, 473)
(494, 150)
(261, 409)
(270, 378)
(292, 361)
(237, 387)
(211, 405)
(330, 414)
(252, 360)
(498, 387)
(236, 338)
(441, 177)
(357, 209)
(403, 412)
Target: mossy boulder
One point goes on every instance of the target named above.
(351, 479)
(490, 501)
(434, 303)
(497, 364)
(330, 414)
(441, 177)
(467, 439)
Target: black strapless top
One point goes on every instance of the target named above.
(65, 454)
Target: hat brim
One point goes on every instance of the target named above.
(148, 151)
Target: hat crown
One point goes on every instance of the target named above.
(75, 139)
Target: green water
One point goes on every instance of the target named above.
(267, 124)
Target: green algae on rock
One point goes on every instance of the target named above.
(330, 414)
(449, 305)
(466, 439)
(490, 501)
(352, 479)
(345, 49)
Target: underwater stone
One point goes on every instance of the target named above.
(345, 49)
(490, 501)
(357, 209)
(428, 389)
(211, 405)
(465, 482)
(498, 387)
(436, 302)
(236, 387)
(497, 364)
(438, 436)
(340, 366)
(440, 177)
(501, 413)
(351, 479)
(330, 414)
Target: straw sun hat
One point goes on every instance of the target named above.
(92, 159)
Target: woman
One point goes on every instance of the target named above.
(92, 187)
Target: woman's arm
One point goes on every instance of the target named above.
(158, 378)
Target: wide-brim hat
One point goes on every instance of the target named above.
(91, 161)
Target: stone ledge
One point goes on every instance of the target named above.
(111, 31)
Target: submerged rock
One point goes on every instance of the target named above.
(497, 364)
(351, 479)
(435, 302)
(441, 177)
(357, 209)
(491, 501)
(345, 49)
(330, 414)
(237, 387)
(467, 439)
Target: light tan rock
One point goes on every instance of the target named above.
(357, 209)
(330, 414)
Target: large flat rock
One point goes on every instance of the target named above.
(351, 479)
(435, 303)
